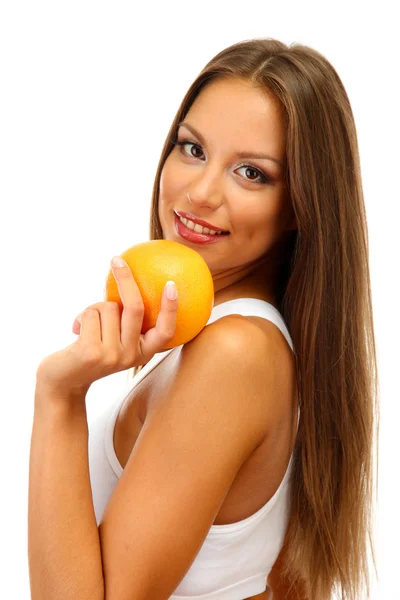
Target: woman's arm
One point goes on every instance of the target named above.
(64, 551)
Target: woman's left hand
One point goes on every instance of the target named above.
(108, 342)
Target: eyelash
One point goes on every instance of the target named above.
(264, 178)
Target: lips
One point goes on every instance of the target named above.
(191, 217)
(193, 237)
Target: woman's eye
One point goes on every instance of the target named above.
(185, 143)
(252, 174)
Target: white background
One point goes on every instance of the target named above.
(88, 93)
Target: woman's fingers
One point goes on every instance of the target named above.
(76, 326)
(122, 328)
(133, 309)
(157, 338)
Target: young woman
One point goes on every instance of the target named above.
(238, 465)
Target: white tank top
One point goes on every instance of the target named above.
(235, 559)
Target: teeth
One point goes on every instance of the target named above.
(198, 228)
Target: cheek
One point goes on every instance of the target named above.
(258, 222)
(268, 212)
(254, 216)
(164, 181)
(171, 180)
(170, 190)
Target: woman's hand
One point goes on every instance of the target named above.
(108, 341)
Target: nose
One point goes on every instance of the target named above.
(206, 191)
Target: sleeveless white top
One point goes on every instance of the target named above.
(235, 559)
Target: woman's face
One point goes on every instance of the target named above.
(208, 178)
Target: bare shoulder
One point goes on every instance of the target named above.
(257, 342)
(241, 358)
(232, 331)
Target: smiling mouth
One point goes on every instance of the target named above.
(199, 227)
(195, 237)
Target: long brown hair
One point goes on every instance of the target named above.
(325, 298)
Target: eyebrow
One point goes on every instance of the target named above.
(242, 154)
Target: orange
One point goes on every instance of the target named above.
(154, 263)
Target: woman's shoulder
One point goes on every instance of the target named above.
(231, 349)
(233, 333)
(262, 336)
(208, 381)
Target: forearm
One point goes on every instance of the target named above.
(64, 550)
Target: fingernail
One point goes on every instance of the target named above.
(117, 261)
(172, 293)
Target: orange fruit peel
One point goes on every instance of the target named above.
(155, 262)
